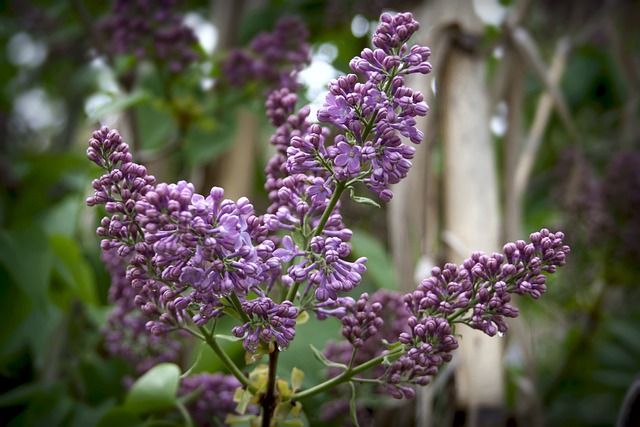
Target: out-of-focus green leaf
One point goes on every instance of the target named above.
(73, 270)
(27, 256)
(85, 415)
(380, 268)
(62, 218)
(156, 390)
(121, 103)
(120, 417)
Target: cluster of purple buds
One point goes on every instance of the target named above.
(152, 30)
(485, 283)
(362, 320)
(273, 59)
(122, 185)
(268, 322)
(326, 268)
(430, 343)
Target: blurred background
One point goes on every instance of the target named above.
(533, 123)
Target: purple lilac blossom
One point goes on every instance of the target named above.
(152, 30)
(476, 293)
(268, 322)
(372, 115)
(189, 253)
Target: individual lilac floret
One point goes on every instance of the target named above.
(214, 397)
(268, 322)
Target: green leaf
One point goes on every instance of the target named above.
(121, 417)
(73, 270)
(121, 104)
(242, 397)
(362, 200)
(233, 419)
(380, 268)
(323, 359)
(230, 338)
(28, 258)
(297, 377)
(155, 390)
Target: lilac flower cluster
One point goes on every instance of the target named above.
(372, 116)
(486, 283)
(150, 29)
(268, 322)
(123, 184)
(213, 397)
(191, 257)
(361, 321)
(430, 343)
(273, 59)
(477, 293)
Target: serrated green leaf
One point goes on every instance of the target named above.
(155, 390)
(323, 359)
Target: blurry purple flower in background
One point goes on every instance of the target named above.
(273, 59)
(213, 397)
(152, 30)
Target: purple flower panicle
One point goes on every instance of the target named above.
(268, 322)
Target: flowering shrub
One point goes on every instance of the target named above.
(196, 258)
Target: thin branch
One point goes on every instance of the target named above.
(529, 50)
(543, 113)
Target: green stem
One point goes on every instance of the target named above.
(188, 422)
(211, 341)
(343, 377)
(340, 187)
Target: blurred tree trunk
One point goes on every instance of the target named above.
(472, 217)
